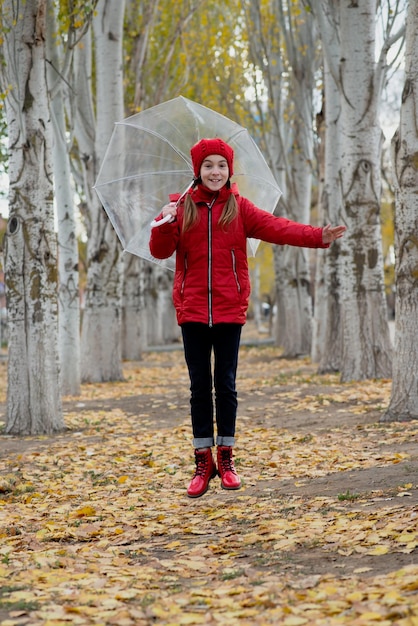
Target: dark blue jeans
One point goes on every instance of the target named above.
(199, 341)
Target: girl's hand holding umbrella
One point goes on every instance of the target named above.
(169, 212)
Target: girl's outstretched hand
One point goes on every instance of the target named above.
(331, 233)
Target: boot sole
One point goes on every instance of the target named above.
(231, 488)
(198, 495)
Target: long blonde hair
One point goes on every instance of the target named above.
(229, 212)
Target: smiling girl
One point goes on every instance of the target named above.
(208, 231)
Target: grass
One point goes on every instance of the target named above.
(348, 496)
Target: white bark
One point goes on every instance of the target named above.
(404, 396)
(367, 351)
(132, 308)
(101, 329)
(327, 336)
(364, 347)
(292, 264)
(160, 322)
(33, 398)
(290, 84)
(68, 293)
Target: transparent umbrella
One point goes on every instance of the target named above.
(148, 158)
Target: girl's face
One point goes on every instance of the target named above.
(214, 172)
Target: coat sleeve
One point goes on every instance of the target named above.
(164, 239)
(262, 225)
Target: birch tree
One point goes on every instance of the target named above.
(404, 396)
(283, 46)
(68, 277)
(326, 340)
(33, 395)
(293, 264)
(365, 342)
(101, 327)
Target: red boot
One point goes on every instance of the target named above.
(205, 471)
(226, 468)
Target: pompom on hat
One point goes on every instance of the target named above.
(205, 147)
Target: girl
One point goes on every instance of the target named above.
(208, 231)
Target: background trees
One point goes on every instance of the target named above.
(348, 33)
(404, 397)
(101, 327)
(34, 402)
(312, 103)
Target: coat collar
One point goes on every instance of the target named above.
(203, 194)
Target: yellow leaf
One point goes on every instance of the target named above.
(122, 479)
(85, 511)
(392, 597)
(356, 596)
(126, 594)
(72, 609)
(33, 495)
(372, 616)
(294, 620)
(362, 570)
(407, 537)
(378, 550)
(192, 618)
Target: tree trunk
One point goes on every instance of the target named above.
(161, 322)
(68, 293)
(367, 351)
(283, 45)
(404, 396)
(327, 293)
(132, 307)
(292, 267)
(293, 264)
(33, 399)
(101, 329)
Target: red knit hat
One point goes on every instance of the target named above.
(205, 147)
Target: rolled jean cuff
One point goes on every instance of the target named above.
(225, 441)
(203, 442)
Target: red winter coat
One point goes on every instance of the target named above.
(211, 282)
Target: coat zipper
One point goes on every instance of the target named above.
(210, 205)
(184, 274)
(234, 269)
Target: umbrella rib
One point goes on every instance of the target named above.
(238, 132)
(155, 134)
(135, 176)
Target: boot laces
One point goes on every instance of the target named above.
(202, 463)
(227, 461)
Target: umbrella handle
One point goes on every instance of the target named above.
(164, 220)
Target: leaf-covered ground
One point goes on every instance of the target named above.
(96, 527)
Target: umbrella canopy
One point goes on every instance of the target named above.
(148, 158)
